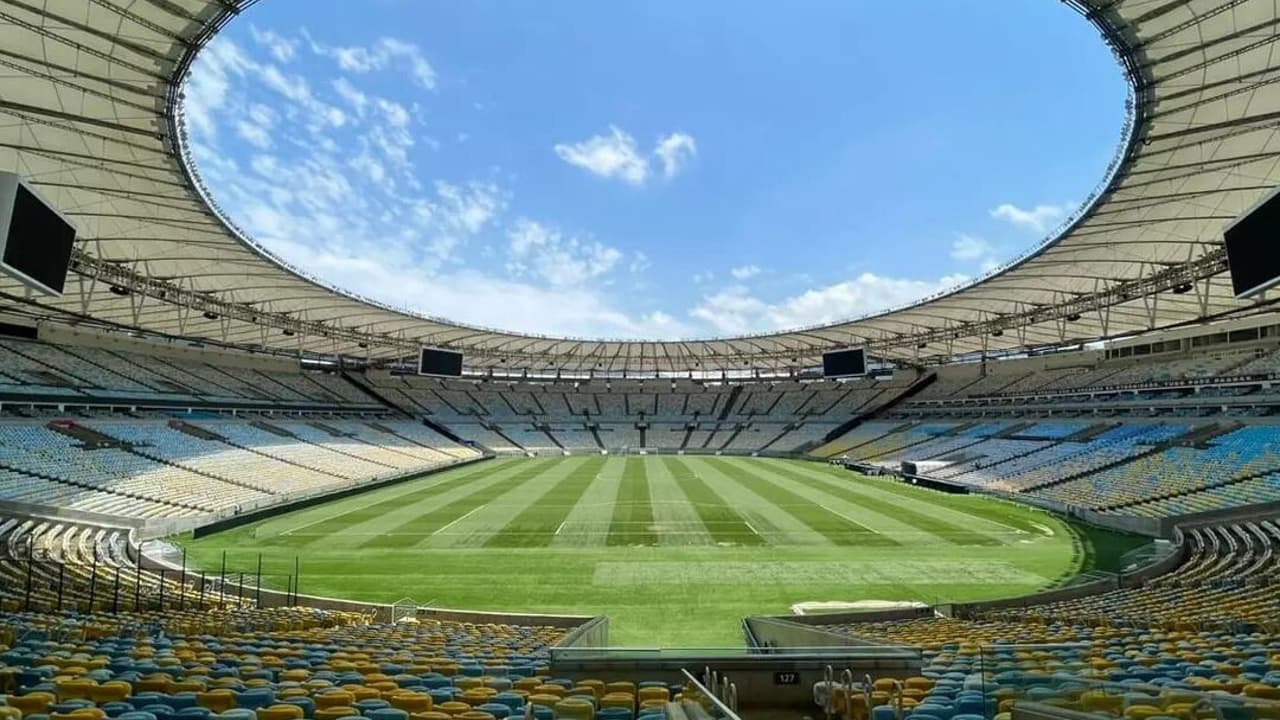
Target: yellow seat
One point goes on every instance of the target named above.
(453, 707)
(333, 712)
(620, 687)
(155, 683)
(527, 684)
(618, 700)
(1142, 712)
(430, 715)
(360, 692)
(411, 702)
(1259, 690)
(219, 700)
(597, 686)
(918, 683)
(89, 713)
(280, 712)
(478, 696)
(10, 713)
(73, 689)
(654, 693)
(544, 700)
(550, 690)
(338, 698)
(575, 709)
(110, 691)
(1098, 701)
(476, 715)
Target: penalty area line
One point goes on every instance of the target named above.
(457, 520)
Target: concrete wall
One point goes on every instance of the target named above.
(82, 517)
(755, 676)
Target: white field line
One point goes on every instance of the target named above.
(752, 528)
(846, 517)
(458, 520)
(324, 518)
(561, 526)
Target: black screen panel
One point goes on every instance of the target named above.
(1253, 248)
(844, 363)
(39, 241)
(440, 362)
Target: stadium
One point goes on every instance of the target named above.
(230, 489)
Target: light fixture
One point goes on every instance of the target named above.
(210, 315)
(119, 290)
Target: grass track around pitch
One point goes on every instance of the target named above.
(675, 549)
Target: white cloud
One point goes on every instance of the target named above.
(1039, 219)
(675, 151)
(255, 127)
(357, 99)
(281, 48)
(616, 155)
(559, 260)
(323, 173)
(745, 272)
(735, 310)
(969, 247)
(206, 92)
(382, 54)
(609, 156)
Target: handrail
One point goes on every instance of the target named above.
(724, 709)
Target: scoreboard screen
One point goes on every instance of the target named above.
(844, 363)
(1253, 248)
(443, 363)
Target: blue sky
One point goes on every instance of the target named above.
(652, 168)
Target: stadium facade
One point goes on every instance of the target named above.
(94, 94)
(130, 409)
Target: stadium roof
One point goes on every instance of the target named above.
(90, 97)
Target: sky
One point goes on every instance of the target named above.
(653, 169)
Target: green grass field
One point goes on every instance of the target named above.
(675, 550)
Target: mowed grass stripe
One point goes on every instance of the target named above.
(831, 525)
(945, 530)
(536, 525)
(632, 522)
(452, 480)
(723, 523)
(411, 532)
(978, 506)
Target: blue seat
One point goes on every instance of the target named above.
(498, 710)
(307, 704)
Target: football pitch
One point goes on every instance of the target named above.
(674, 549)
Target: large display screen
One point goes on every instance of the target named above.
(1253, 248)
(445, 363)
(844, 363)
(35, 240)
